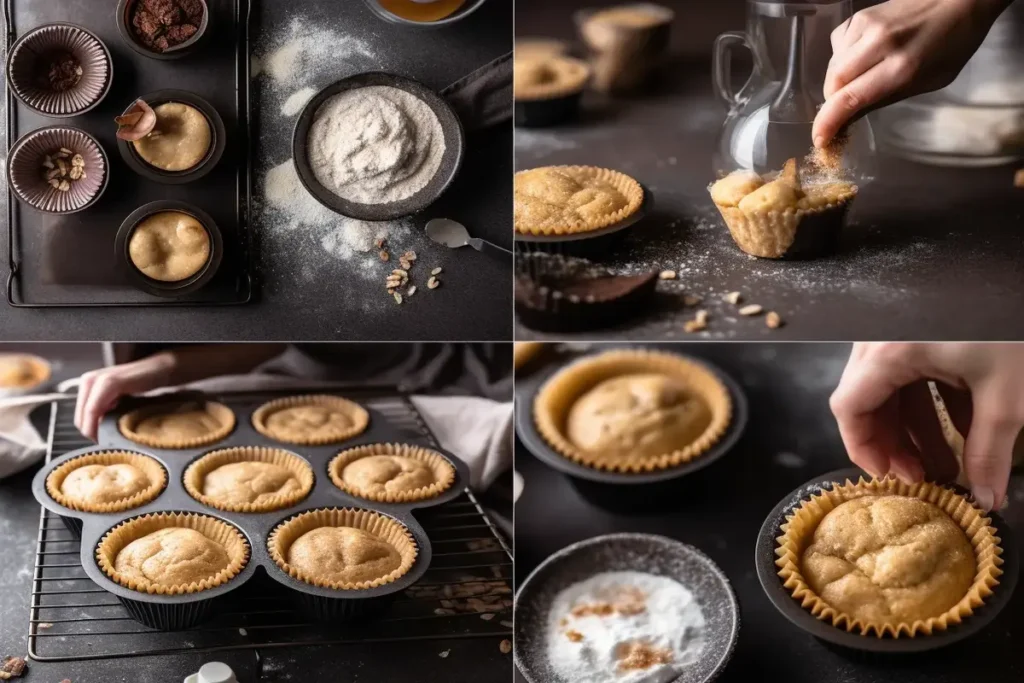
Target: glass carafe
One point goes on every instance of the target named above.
(771, 115)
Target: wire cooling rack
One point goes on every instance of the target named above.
(466, 592)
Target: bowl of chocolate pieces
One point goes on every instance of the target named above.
(163, 29)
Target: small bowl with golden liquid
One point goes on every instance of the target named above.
(424, 13)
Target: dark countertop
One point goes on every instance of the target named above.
(301, 300)
(791, 437)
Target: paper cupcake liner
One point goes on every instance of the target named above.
(625, 184)
(444, 473)
(26, 173)
(286, 533)
(570, 82)
(196, 474)
(556, 397)
(360, 417)
(153, 470)
(129, 421)
(771, 234)
(115, 540)
(798, 532)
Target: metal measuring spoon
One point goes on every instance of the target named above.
(454, 234)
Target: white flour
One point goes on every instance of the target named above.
(294, 104)
(375, 145)
(670, 620)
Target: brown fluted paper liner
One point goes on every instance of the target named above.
(196, 473)
(120, 536)
(286, 533)
(625, 184)
(798, 531)
(444, 473)
(557, 396)
(129, 421)
(153, 470)
(360, 418)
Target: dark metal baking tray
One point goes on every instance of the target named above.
(70, 261)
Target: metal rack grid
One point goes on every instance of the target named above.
(466, 592)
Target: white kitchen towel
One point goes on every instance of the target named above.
(21, 446)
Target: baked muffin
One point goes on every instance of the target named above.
(310, 420)
(344, 549)
(249, 479)
(179, 425)
(22, 371)
(558, 200)
(106, 481)
(546, 76)
(392, 473)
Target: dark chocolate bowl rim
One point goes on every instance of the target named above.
(194, 282)
(177, 52)
(106, 51)
(451, 161)
(782, 598)
(255, 527)
(218, 143)
(551, 563)
(527, 430)
(645, 208)
(103, 153)
(456, 17)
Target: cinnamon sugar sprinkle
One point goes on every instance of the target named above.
(627, 601)
(574, 636)
(637, 655)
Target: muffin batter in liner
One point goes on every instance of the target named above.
(153, 470)
(129, 422)
(387, 529)
(444, 473)
(798, 532)
(625, 184)
(555, 399)
(115, 540)
(195, 476)
(360, 419)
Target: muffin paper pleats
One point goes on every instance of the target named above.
(152, 469)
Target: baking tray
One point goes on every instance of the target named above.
(70, 261)
(171, 612)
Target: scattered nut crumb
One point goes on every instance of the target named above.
(433, 283)
(409, 255)
(435, 271)
(410, 291)
(667, 275)
(691, 300)
(700, 322)
(12, 667)
(574, 636)
(379, 243)
(384, 255)
(703, 316)
(506, 624)
(1018, 178)
(733, 297)
(772, 320)
(752, 309)
(488, 616)
(444, 653)
(398, 298)
(44, 625)
(505, 646)
(242, 632)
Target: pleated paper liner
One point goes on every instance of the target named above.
(444, 473)
(385, 528)
(115, 540)
(557, 396)
(196, 473)
(798, 531)
(625, 184)
(224, 416)
(26, 171)
(358, 415)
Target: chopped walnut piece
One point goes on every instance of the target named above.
(444, 653)
(505, 646)
(14, 667)
(752, 309)
(384, 256)
(409, 255)
(733, 297)
(433, 283)
(574, 636)
(667, 275)
(435, 271)
(772, 320)
(691, 300)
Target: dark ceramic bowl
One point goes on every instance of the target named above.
(467, 8)
(218, 140)
(767, 573)
(454, 139)
(25, 59)
(25, 170)
(544, 113)
(628, 552)
(158, 287)
(124, 27)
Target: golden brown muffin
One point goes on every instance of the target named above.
(573, 199)
(539, 48)
(106, 481)
(185, 425)
(249, 479)
(169, 246)
(542, 77)
(250, 482)
(392, 473)
(310, 420)
(180, 139)
(22, 371)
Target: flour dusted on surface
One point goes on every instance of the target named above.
(294, 104)
(375, 145)
(624, 627)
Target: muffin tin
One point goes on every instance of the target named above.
(782, 598)
(183, 611)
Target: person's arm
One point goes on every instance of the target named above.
(100, 389)
(898, 49)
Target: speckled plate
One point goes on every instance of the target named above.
(627, 552)
(26, 173)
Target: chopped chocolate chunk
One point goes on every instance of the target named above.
(163, 24)
(58, 71)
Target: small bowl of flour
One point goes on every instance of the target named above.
(625, 608)
(376, 146)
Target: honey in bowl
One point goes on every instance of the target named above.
(421, 10)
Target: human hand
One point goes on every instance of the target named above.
(898, 49)
(888, 422)
(100, 389)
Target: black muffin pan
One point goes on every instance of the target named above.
(552, 111)
(621, 489)
(656, 555)
(170, 612)
(782, 598)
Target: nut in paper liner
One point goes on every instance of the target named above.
(153, 470)
(444, 473)
(196, 474)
